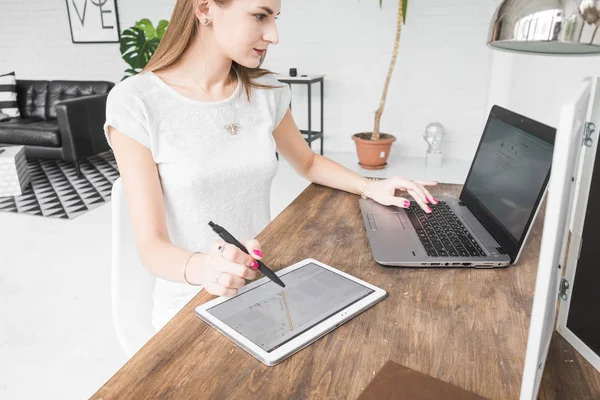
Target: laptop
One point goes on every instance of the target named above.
(487, 226)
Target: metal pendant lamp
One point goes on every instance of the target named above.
(557, 27)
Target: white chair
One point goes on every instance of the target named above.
(132, 284)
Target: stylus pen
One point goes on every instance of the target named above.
(226, 236)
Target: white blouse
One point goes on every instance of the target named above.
(206, 173)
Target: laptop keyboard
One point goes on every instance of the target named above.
(442, 233)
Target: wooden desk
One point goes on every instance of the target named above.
(465, 326)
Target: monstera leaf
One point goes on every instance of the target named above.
(149, 30)
(161, 29)
(139, 43)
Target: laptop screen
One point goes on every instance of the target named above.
(509, 175)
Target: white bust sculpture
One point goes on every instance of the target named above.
(433, 137)
(434, 133)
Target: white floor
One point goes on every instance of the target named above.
(56, 335)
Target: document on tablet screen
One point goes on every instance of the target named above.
(270, 316)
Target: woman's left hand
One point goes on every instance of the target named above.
(383, 192)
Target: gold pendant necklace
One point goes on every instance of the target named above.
(232, 127)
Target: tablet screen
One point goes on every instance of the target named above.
(270, 316)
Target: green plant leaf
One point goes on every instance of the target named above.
(146, 25)
(135, 49)
(161, 28)
(138, 44)
(131, 43)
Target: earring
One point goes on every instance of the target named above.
(207, 22)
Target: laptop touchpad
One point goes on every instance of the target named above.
(388, 222)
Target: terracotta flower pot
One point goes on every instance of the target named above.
(373, 154)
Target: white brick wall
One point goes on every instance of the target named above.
(444, 71)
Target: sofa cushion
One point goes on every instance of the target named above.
(31, 96)
(32, 131)
(8, 96)
(65, 90)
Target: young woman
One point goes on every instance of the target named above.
(195, 136)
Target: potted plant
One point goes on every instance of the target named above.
(139, 43)
(373, 148)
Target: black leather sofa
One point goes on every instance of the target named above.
(59, 119)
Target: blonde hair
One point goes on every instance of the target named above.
(182, 29)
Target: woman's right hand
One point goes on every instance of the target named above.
(225, 267)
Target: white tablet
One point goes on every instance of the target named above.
(272, 323)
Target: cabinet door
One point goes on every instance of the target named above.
(579, 315)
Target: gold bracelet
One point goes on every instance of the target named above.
(185, 269)
(365, 186)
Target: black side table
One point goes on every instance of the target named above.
(308, 81)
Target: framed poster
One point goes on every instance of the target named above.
(93, 21)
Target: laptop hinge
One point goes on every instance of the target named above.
(564, 286)
(588, 131)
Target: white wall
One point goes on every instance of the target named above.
(36, 39)
(539, 83)
(444, 71)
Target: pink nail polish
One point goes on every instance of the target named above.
(406, 203)
(255, 265)
(435, 200)
(428, 209)
(258, 253)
